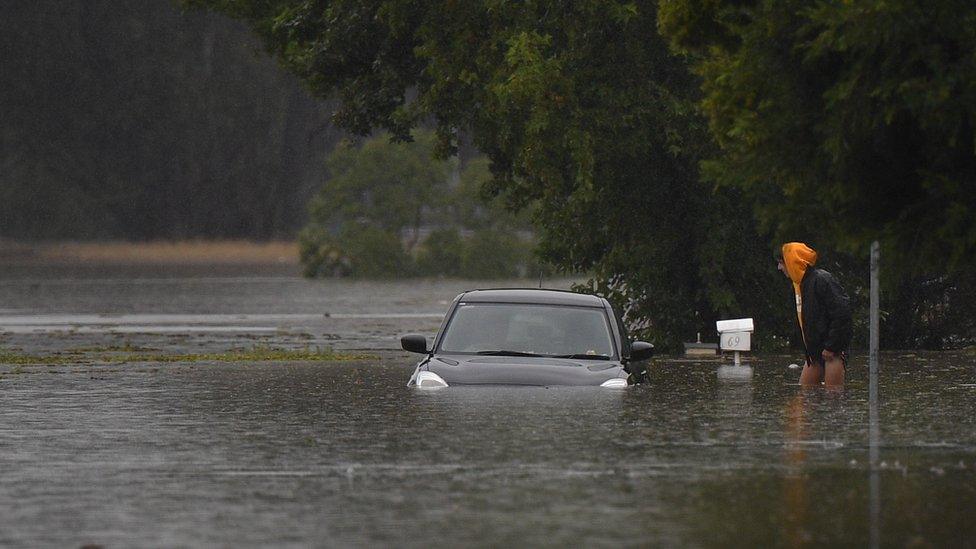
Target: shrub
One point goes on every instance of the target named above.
(441, 253)
(493, 254)
(361, 251)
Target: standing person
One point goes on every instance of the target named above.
(824, 313)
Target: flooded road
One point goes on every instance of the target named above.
(211, 309)
(340, 454)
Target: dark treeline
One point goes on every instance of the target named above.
(665, 150)
(131, 119)
(668, 149)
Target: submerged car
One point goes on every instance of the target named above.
(528, 337)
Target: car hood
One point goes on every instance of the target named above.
(507, 370)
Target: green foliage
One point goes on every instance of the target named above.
(373, 252)
(368, 219)
(376, 192)
(387, 185)
(474, 208)
(441, 253)
(846, 122)
(586, 117)
(835, 123)
(491, 253)
(357, 250)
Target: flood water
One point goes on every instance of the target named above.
(344, 454)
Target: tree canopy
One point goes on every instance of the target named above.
(837, 123)
(845, 121)
(583, 112)
(393, 209)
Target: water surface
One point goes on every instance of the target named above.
(344, 454)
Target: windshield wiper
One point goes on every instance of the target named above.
(577, 356)
(507, 353)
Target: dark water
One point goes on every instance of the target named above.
(344, 454)
(175, 309)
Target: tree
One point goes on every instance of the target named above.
(381, 199)
(388, 185)
(846, 122)
(585, 115)
(375, 193)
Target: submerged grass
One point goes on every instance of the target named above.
(125, 347)
(10, 357)
(254, 354)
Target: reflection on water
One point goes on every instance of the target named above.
(794, 484)
(345, 454)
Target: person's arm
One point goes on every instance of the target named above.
(837, 306)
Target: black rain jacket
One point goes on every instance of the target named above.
(826, 314)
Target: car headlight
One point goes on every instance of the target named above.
(430, 380)
(615, 383)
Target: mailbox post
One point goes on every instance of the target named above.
(735, 335)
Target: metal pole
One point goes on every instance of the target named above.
(875, 320)
(874, 429)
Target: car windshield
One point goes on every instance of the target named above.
(546, 330)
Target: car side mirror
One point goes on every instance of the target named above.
(641, 350)
(415, 343)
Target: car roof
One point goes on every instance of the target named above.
(532, 296)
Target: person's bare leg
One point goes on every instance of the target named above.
(811, 374)
(834, 374)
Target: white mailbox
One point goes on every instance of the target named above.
(735, 334)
